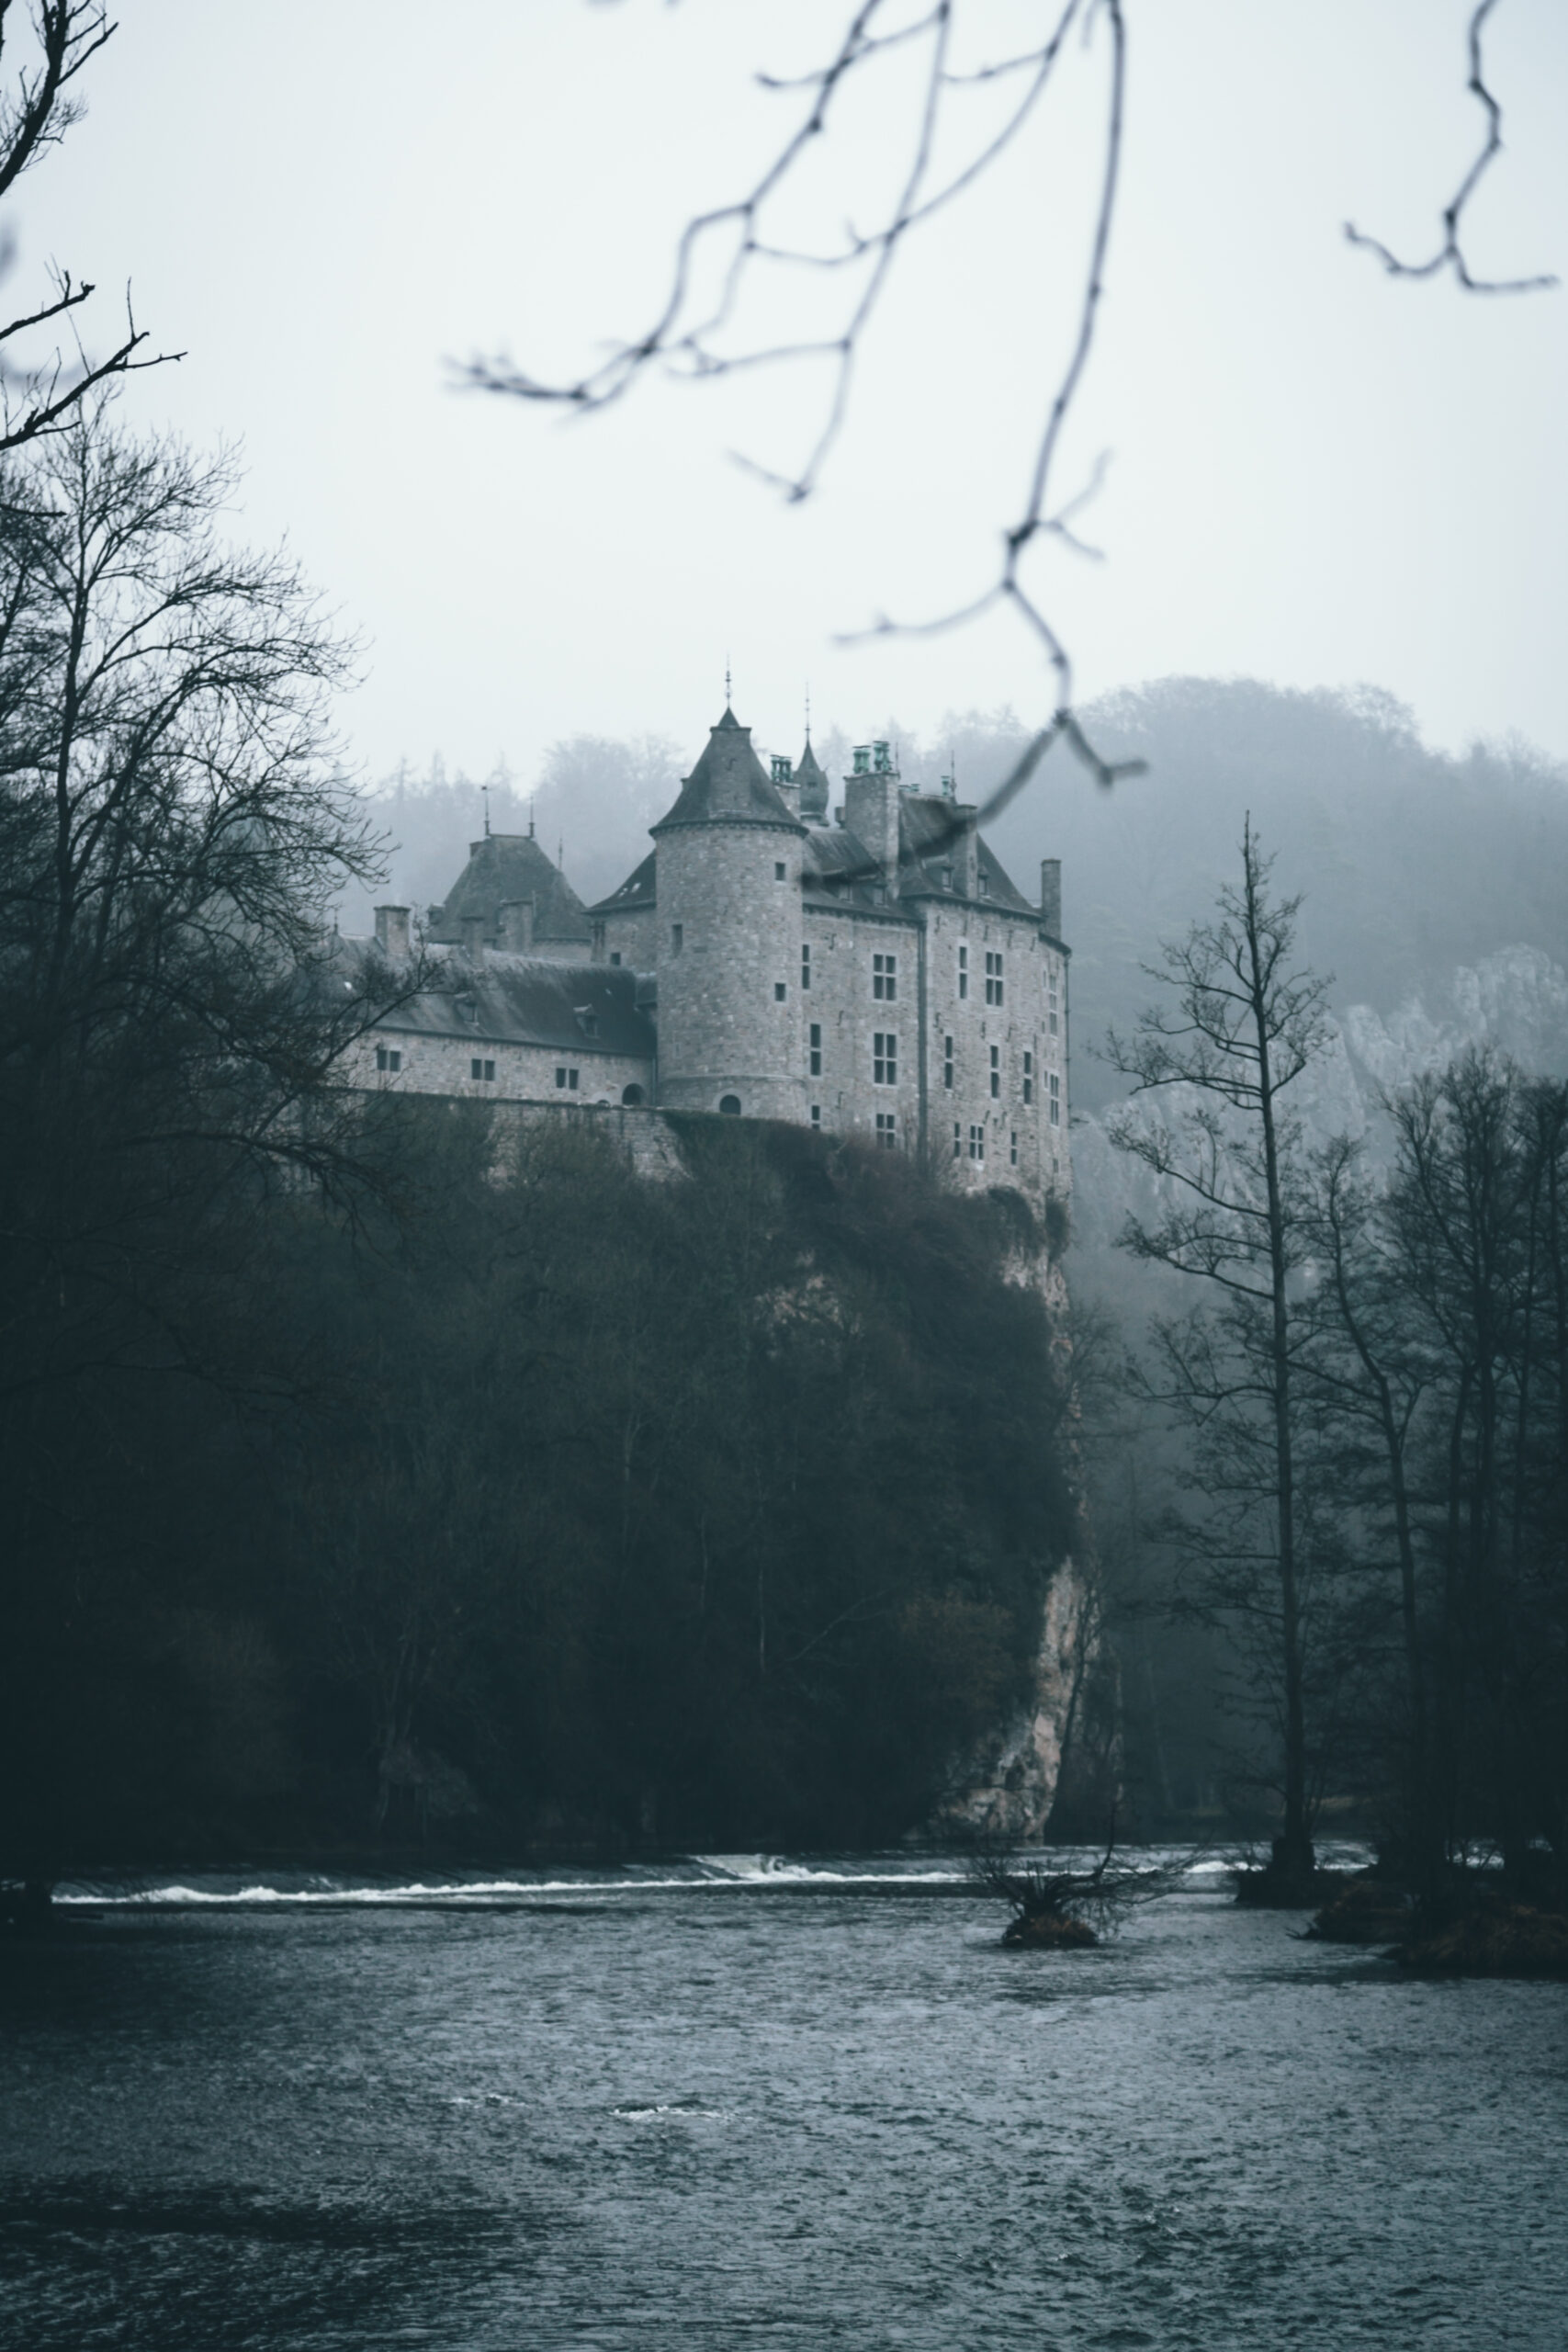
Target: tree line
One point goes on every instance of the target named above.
(1371, 1406)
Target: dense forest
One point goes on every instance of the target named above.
(535, 1501)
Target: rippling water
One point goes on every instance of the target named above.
(734, 2103)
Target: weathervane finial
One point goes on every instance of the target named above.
(727, 697)
(808, 710)
(485, 790)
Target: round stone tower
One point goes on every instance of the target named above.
(728, 883)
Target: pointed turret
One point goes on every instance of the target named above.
(812, 780)
(728, 785)
(728, 868)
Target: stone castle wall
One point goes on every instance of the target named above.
(729, 968)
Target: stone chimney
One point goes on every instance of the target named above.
(1051, 897)
(392, 932)
(517, 920)
(966, 853)
(474, 939)
(871, 807)
(783, 782)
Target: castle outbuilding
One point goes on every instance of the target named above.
(870, 972)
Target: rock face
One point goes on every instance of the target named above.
(1009, 1790)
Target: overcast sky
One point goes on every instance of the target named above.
(1317, 476)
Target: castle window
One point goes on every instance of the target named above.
(481, 1069)
(389, 1057)
(816, 1042)
(677, 937)
(984, 881)
(816, 1114)
(962, 973)
(993, 977)
(884, 1060)
(631, 1096)
(806, 966)
(729, 1104)
(779, 991)
(1052, 999)
(977, 1144)
(947, 1062)
(778, 869)
(1055, 1086)
(995, 1072)
(957, 1140)
(614, 955)
(1015, 1147)
(887, 1131)
(1028, 1075)
(567, 1078)
(884, 978)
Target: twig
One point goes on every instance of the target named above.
(1450, 252)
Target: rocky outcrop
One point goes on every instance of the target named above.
(1009, 1790)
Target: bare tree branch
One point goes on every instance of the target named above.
(694, 346)
(1450, 252)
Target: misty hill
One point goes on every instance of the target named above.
(1411, 863)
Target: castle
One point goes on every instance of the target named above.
(871, 972)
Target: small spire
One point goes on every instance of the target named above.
(485, 790)
(532, 797)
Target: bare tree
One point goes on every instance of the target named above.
(1245, 1025)
(35, 114)
(173, 828)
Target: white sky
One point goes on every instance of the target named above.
(1318, 476)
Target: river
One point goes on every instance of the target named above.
(744, 2103)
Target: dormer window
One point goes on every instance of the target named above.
(587, 1022)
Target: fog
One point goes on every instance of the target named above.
(1316, 475)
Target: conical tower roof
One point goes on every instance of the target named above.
(729, 785)
(813, 783)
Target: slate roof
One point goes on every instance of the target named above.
(634, 893)
(928, 845)
(506, 866)
(527, 1001)
(840, 869)
(729, 785)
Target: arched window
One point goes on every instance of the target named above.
(631, 1096)
(730, 1105)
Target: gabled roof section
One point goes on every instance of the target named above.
(501, 868)
(930, 832)
(730, 786)
(524, 1001)
(636, 893)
